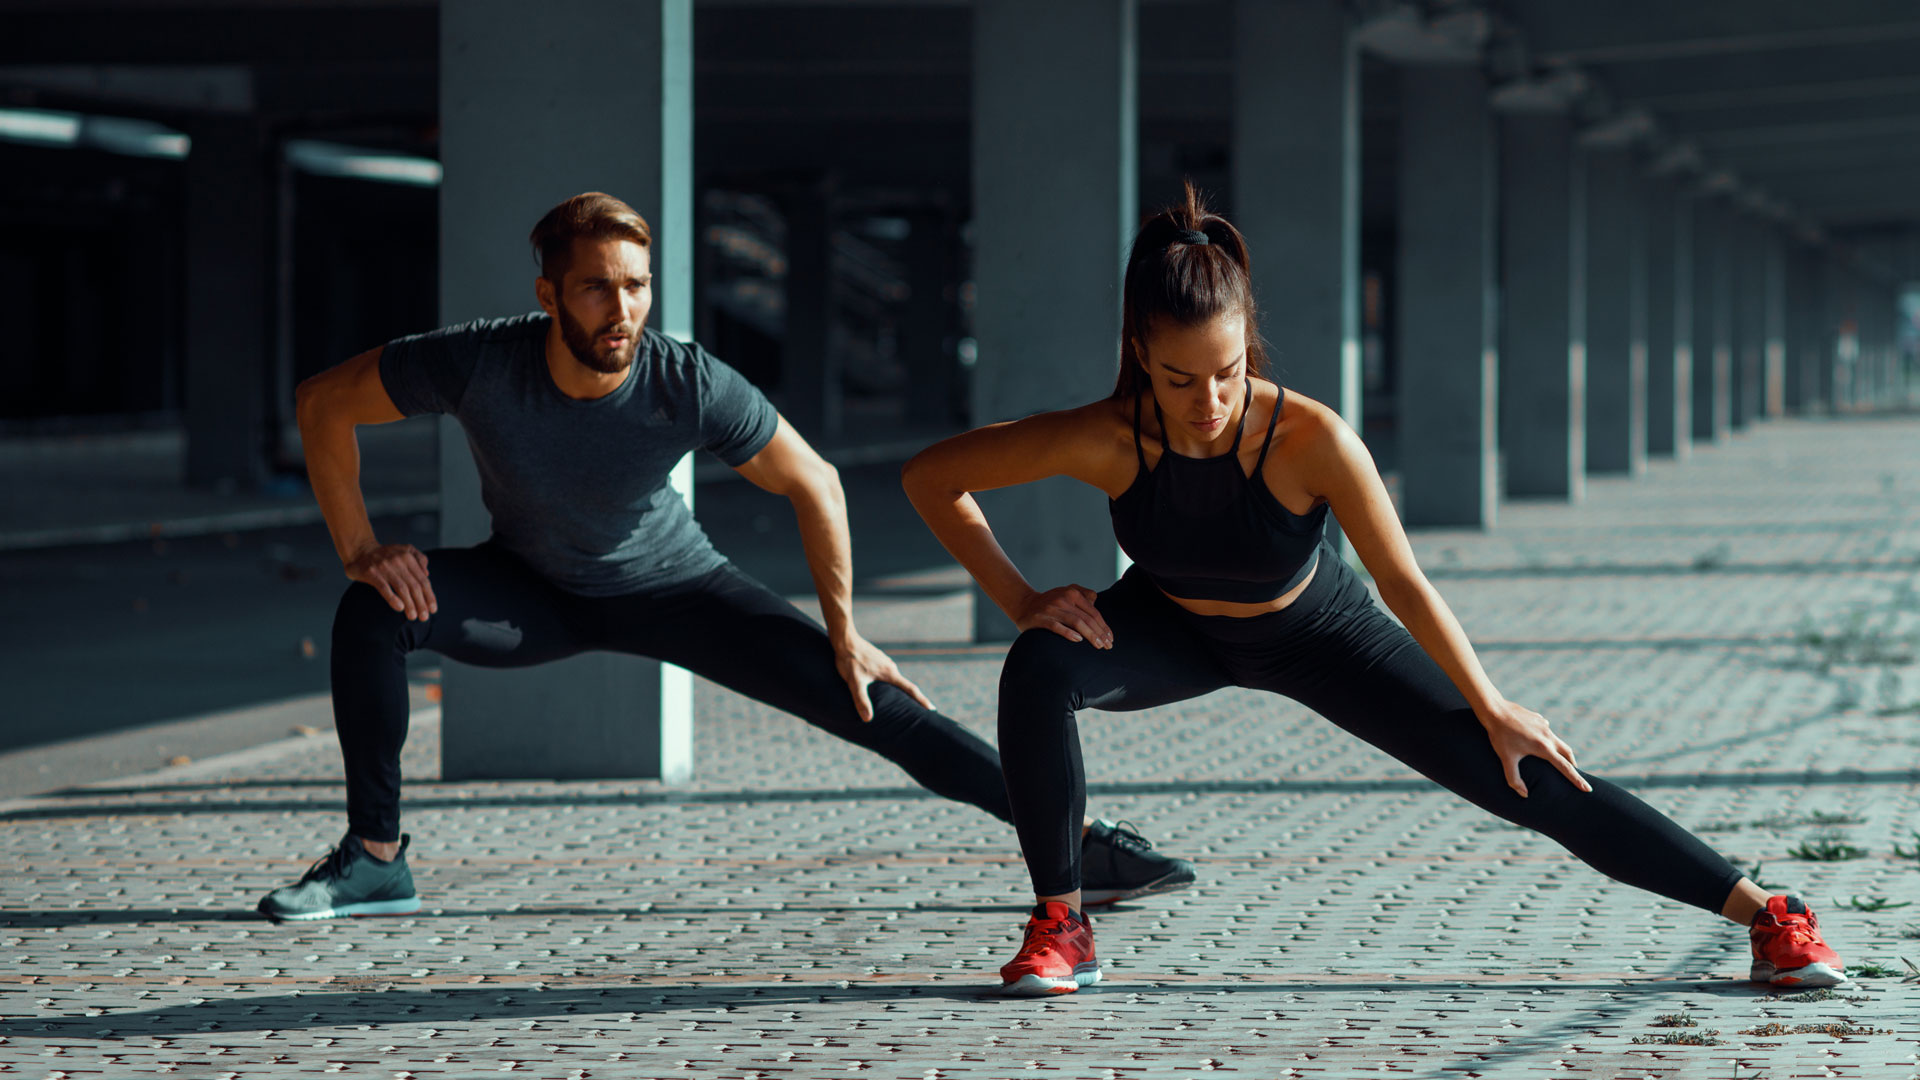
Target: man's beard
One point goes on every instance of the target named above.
(581, 344)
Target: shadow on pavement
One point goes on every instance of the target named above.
(1166, 787)
(52, 919)
(451, 1005)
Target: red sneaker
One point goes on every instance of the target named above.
(1056, 958)
(1787, 949)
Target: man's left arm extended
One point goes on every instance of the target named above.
(789, 466)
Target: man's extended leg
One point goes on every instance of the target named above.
(731, 629)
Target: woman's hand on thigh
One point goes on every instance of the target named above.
(1517, 733)
(1070, 612)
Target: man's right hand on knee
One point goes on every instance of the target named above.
(398, 572)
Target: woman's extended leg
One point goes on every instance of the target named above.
(1367, 674)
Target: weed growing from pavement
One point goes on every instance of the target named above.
(1859, 641)
(1870, 903)
(1709, 1037)
(1822, 994)
(1839, 1029)
(1908, 853)
(1753, 875)
(1870, 970)
(1714, 557)
(1675, 1020)
(1875, 634)
(1779, 822)
(1826, 849)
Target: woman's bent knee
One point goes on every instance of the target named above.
(1039, 662)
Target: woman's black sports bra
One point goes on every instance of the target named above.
(1204, 530)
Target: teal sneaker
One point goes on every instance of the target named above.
(347, 882)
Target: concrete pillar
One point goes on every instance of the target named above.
(810, 379)
(1543, 236)
(1749, 320)
(229, 179)
(1773, 354)
(1449, 359)
(1801, 391)
(932, 375)
(514, 140)
(1712, 319)
(1879, 306)
(1616, 313)
(1296, 189)
(1055, 203)
(1832, 314)
(1669, 320)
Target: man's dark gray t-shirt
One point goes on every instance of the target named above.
(578, 489)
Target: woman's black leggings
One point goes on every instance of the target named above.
(1335, 652)
(495, 611)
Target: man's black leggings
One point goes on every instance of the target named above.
(1335, 652)
(495, 611)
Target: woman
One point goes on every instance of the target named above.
(1220, 483)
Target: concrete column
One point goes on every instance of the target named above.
(1832, 313)
(1296, 189)
(1801, 389)
(1880, 306)
(229, 239)
(1709, 321)
(1616, 313)
(1873, 339)
(1449, 359)
(1055, 203)
(1749, 321)
(810, 384)
(1669, 320)
(1543, 412)
(1773, 354)
(514, 141)
(932, 382)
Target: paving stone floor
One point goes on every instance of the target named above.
(1732, 637)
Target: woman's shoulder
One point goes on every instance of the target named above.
(1304, 427)
(1101, 420)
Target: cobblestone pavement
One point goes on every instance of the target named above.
(1732, 637)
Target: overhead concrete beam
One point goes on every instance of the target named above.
(1654, 30)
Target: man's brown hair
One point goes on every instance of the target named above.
(594, 214)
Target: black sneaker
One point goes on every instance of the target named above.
(347, 882)
(1117, 864)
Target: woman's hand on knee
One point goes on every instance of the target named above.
(1070, 612)
(398, 572)
(1518, 733)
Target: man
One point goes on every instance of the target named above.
(575, 415)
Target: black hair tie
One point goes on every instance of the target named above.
(1193, 236)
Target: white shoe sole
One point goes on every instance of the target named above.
(366, 907)
(1090, 897)
(1812, 976)
(1043, 986)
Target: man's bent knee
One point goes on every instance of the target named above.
(363, 613)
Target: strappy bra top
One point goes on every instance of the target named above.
(1203, 530)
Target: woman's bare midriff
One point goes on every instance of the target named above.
(1234, 610)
